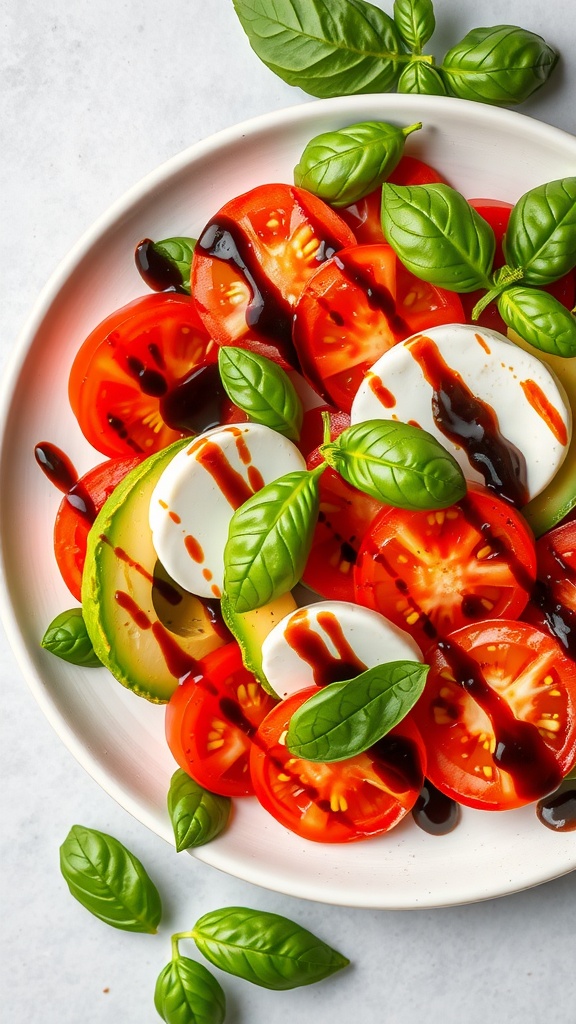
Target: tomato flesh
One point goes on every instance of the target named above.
(553, 602)
(339, 802)
(498, 715)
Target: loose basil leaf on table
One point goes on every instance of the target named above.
(187, 993)
(345, 165)
(269, 540)
(415, 22)
(438, 236)
(262, 389)
(327, 49)
(197, 815)
(503, 64)
(166, 265)
(422, 78)
(67, 638)
(109, 881)
(396, 463)
(346, 718)
(540, 319)
(541, 233)
(264, 948)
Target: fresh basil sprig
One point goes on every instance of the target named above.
(264, 948)
(345, 165)
(396, 463)
(109, 881)
(500, 65)
(67, 638)
(262, 389)
(186, 992)
(197, 815)
(415, 21)
(346, 718)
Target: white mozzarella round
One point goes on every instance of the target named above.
(528, 401)
(330, 640)
(198, 492)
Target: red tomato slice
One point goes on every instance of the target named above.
(498, 715)
(124, 376)
(339, 802)
(253, 260)
(432, 572)
(211, 720)
(356, 307)
(553, 602)
(78, 510)
(364, 216)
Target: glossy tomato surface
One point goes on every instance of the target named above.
(339, 802)
(126, 372)
(498, 715)
(211, 720)
(553, 602)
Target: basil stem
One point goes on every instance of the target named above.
(396, 463)
(327, 49)
(265, 949)
(197, 815)
(187, 993)
(438, 236)
(540, 319)
(269, 540)
(109, 881)
(420, 77)
(67, 638)
(502, 65)
(262, 389)
(415, 22)
(344, 166)
(541, 233)
(346, 718)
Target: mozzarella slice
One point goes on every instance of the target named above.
(198, 492)
(330, 641)
(529, 403)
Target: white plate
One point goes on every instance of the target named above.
(119, 737)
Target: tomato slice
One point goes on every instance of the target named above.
(342, 801)
(252, 261)
(553, 602)
(132, 367)
(76, 513)
(357, 306)
(498, 715)
(211, 720)
(432, 572)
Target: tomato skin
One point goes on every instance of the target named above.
(211, 720)
(252, 261)
(524, 718)
(364, 216)
(340, 802)
(553, 603)
(126, 369)
(433, 572)
(357, 306)
(76, 513)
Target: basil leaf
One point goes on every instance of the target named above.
(397, 463)
(197, 815)
(344, 166)
(187, 993)
(422, 78)
(67, 638)
(415, 22)
(166, 265)
(346, 718)
(269, 540)
(438, 236)
(264, 948)
(262, 389)
(541, 234)
(502, 65)
(325, 47)
(109, 881)
(540, 319)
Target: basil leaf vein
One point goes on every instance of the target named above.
(415, 22)
(197, 815)
(261, 389)
(187, 993)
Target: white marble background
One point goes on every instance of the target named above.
(94, 95)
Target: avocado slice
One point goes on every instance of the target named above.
(251, 629)
(559, 498)
(144, 628)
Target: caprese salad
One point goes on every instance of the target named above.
(314, 535)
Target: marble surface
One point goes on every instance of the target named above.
(93, 96)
